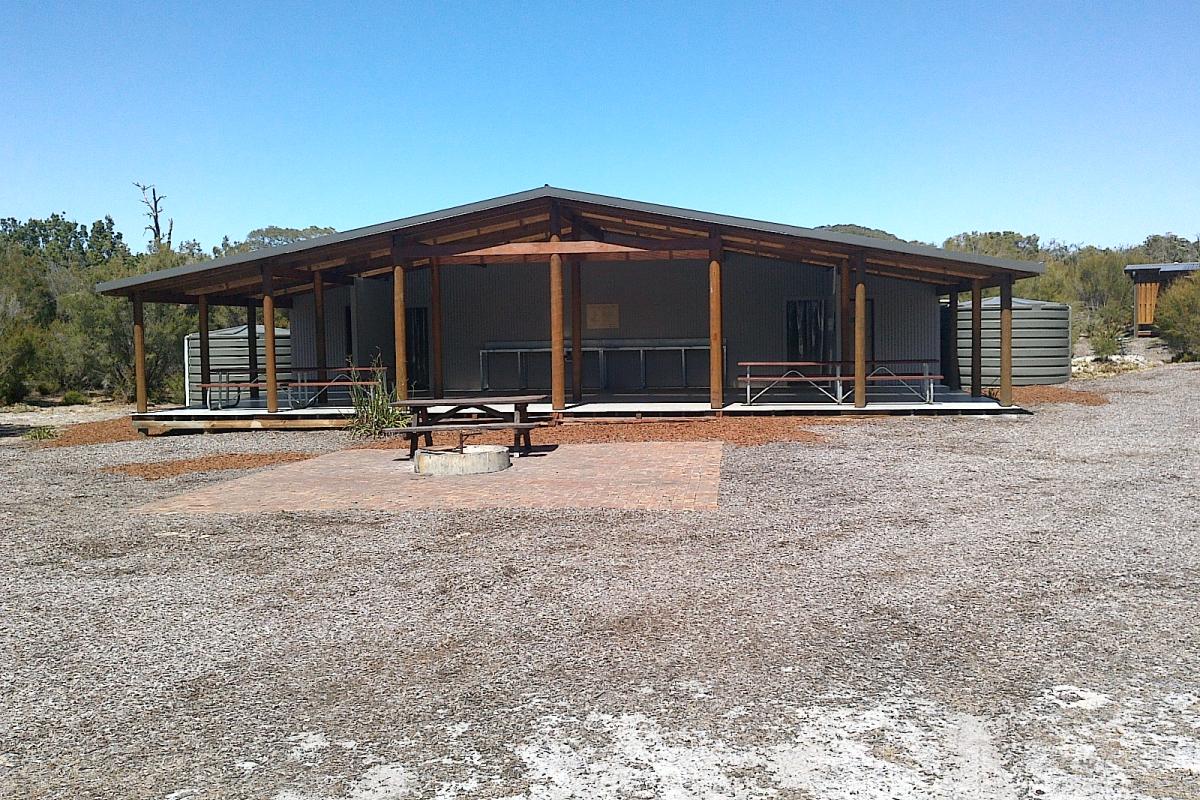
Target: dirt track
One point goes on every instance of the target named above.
(953, 607)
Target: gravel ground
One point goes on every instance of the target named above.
(917, 608)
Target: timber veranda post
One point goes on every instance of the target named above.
(558, 367)
(139, 354)
(252, 347)
(716, 335)
(205, 344)
(268, 305)
(860, 333)
(977, 338)
(1006, 296)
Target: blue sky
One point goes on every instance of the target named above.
(1076, 122)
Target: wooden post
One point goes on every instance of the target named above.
(139, 354)
(400, 330)
(252, 347)
(202, 305)
(1006, 289)
(268, 304)
(576, 331)
(860, 335)
(435, 324)
(319, 326)
(846, 331)
(951, 369)
(977, 338)
(716, 335)
(558, 367)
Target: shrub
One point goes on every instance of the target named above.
(1178, 317)
(74, 398)
(1104, 344)
(373, 409)
(41, 433)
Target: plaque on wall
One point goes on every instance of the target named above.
(603, 315)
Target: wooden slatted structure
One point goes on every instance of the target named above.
(550, 226)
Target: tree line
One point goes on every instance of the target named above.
(57, 334)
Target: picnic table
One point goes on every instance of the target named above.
(426, 421)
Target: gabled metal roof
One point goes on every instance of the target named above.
(704, 218)
(1177, 266)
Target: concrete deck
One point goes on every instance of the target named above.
(249, 416)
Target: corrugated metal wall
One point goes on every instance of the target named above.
(907, 320)
(755, 295)
(655, 300)
(229, 358)
(337, 348)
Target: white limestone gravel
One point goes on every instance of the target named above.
(918, 608)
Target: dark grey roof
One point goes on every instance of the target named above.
(1178, 266)
(550, 192)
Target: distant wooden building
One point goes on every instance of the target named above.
(1148, 281)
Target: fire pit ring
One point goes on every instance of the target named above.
(471, 459)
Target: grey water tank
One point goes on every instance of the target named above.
(1041, 342)
(229, 358)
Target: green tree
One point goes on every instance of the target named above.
(1003, 244)
(270, 236)
(1167, 248)
(1178, 316)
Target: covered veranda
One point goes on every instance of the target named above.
(571, 235)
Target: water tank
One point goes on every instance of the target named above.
(1041, 342)
(229, 358)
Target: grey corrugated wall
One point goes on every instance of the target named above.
(668, 300)
(304, 348)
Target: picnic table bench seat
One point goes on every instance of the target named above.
(521, 437)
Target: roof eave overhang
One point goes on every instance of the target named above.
(383, 234)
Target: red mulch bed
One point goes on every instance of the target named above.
(1028, 396)
(739, 431)
(158, 470)
(118, 429)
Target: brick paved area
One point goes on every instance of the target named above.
(643, 475)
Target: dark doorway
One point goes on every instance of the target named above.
(416, 321)
(808, 331)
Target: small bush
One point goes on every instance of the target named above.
(1105, 344)
(42, 433)
(373, 409)
(1178, 317)
(74, 398)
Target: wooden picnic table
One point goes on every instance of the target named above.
(426, 421)
(423, 407)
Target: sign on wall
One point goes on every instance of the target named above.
(603, 315)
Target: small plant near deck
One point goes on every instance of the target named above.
(373, 409)
(42, 433)
(74, 398)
